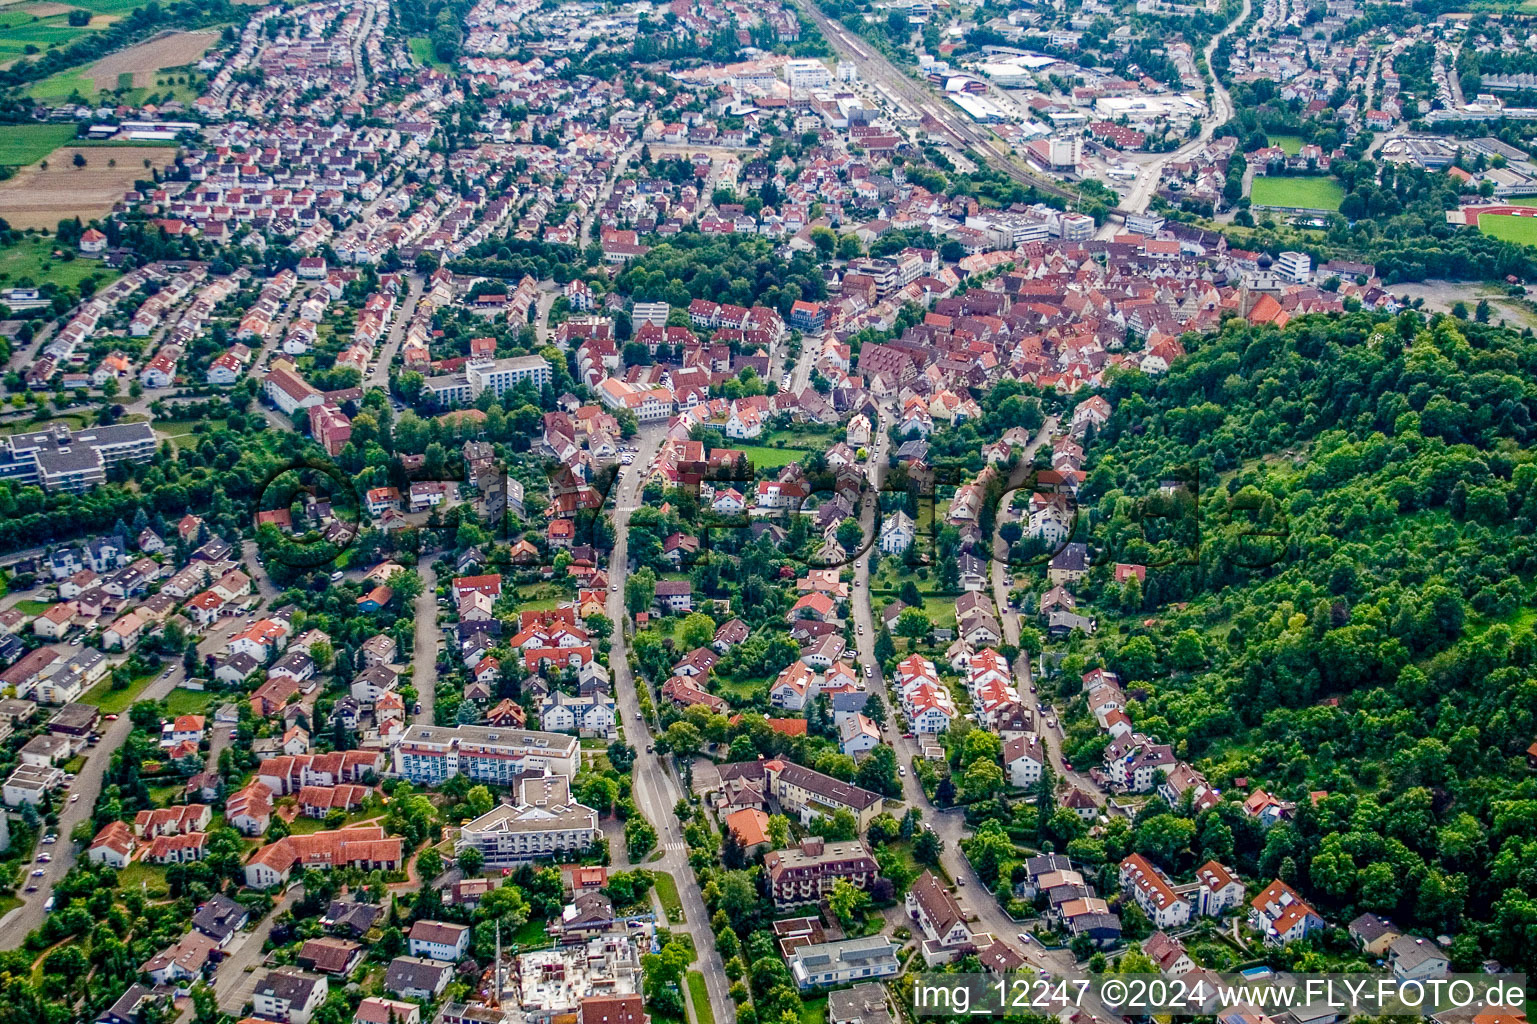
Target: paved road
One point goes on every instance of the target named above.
(424, 655)
(380, 376)
(233, 984)
(1221, 112)
(874, 67)
(655, 789)
(949, 825)
(83, 793)
(1009, 619)
(87, 785)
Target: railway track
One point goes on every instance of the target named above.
(891, 80)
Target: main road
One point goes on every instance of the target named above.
(1221, 112)
(655, 789)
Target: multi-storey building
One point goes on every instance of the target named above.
(805, 873)
(59, 459)
(500, 375)
(431, 755)
(543, 823)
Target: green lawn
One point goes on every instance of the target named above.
(700, 996)
(539, 597)
(32, 259)
(150, 876)
(8, 904)
(162, 796)
(771, 458)
(115, 702)
(1308, 193)
(421, 49)
(1509, 228)
(1292, 144)
(741, 691)
(667, 892)
(182, 701)
(186, 432)
(531, 935)
(22, 144)
(32, 607)
(814, 1011)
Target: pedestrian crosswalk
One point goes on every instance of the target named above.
(675, 847)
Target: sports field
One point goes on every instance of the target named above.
(1301, 193)
(1509, 227)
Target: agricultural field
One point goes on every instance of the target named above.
(176, 50)
(40, 196)
(22, 144)
(29, 29)
(1509, 227)
(161, 67)
(1304, 193)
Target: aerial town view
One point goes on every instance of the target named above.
(708, 512)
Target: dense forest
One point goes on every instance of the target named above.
(1340, 587)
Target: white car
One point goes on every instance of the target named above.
(902, 770)
(73, 797)
(37, 873)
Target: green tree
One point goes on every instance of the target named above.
(847, 901)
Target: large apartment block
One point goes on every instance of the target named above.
(60, 459)
(808, 794)
(544, 823)
(430, 755)
(500, 375)
(805, 873)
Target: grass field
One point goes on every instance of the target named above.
(32, 607)
(814, 1011)
(1291, 143)
(1509, 228)
(421, 49)
(771, 458)
(187, 702)
(22, 144)
(699, 995)
(667, 892)
(33, 259)
(114, 702)
(1308, 193)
